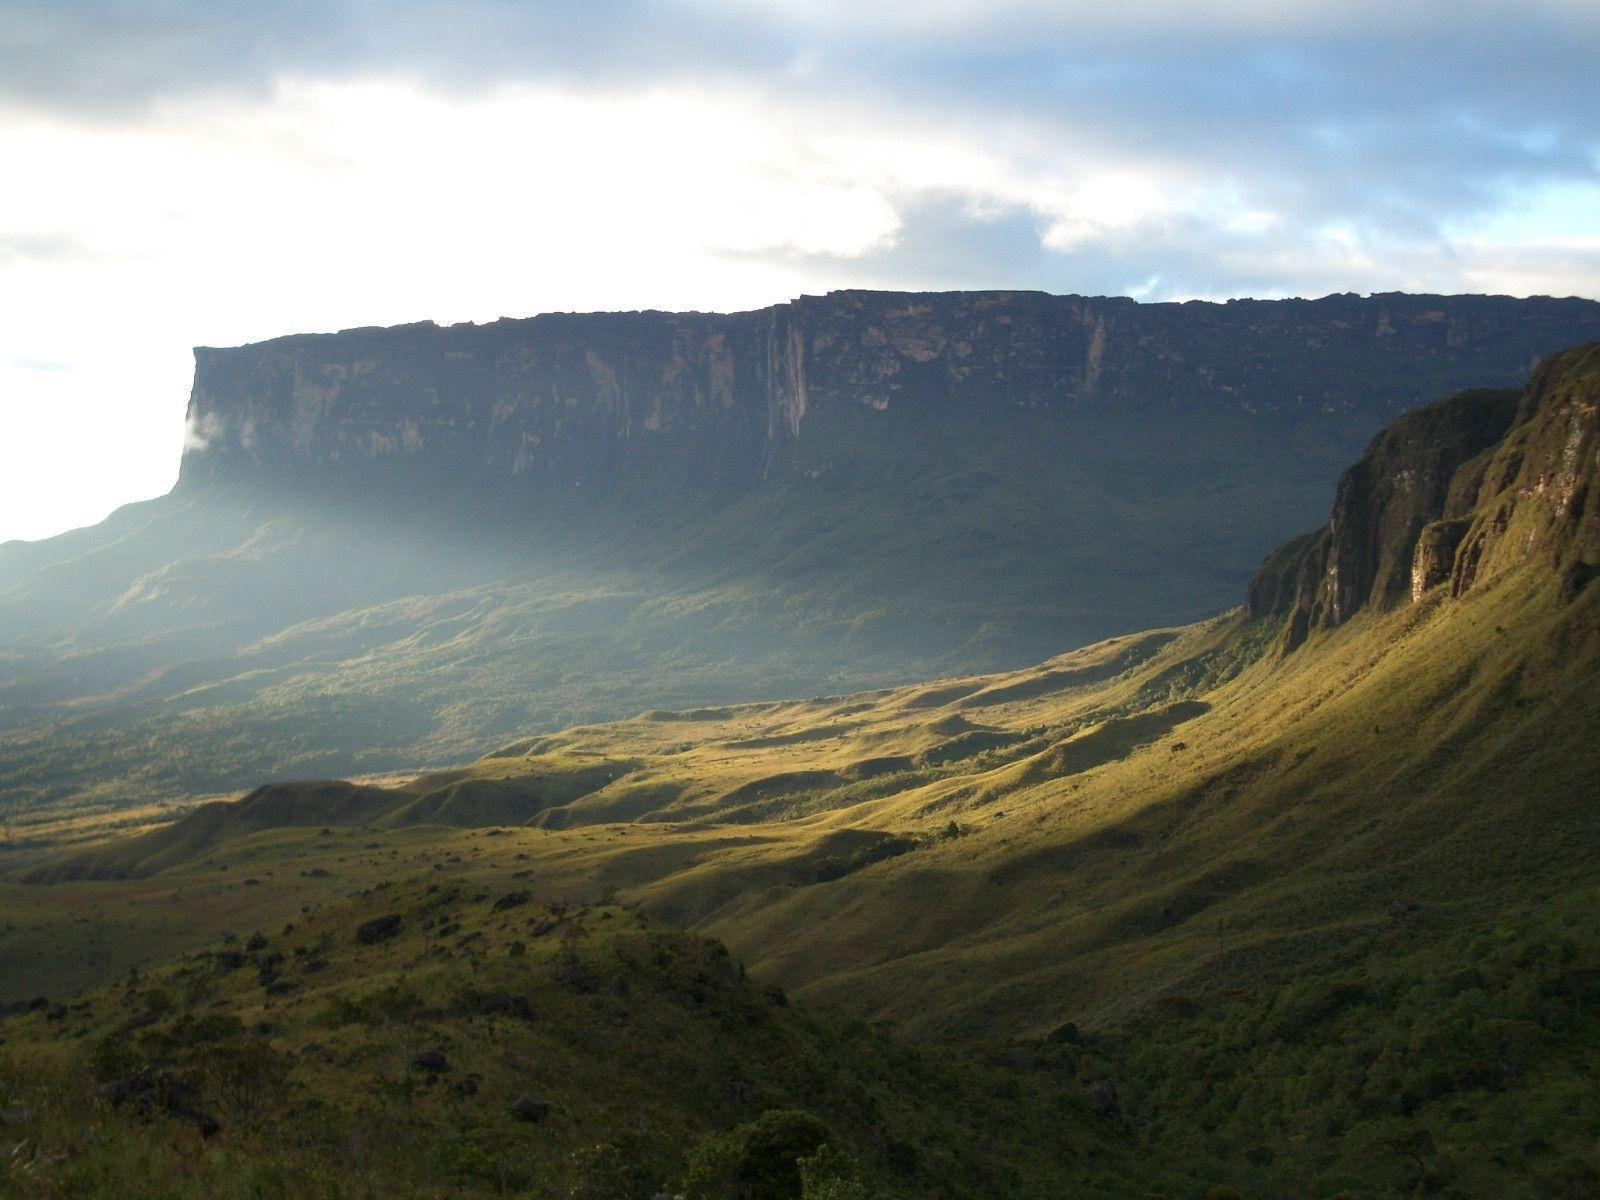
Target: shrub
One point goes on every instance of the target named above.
(831, 1174)
(759, 1160)
(113, 1058)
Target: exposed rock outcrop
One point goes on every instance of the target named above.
(569, 401)
(1539, 495)
(1457, 492)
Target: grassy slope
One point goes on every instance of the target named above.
(1119, 834)
(304, 1047)
(1268, 894)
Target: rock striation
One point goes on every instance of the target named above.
(564, 401)
(1455, 493)
(1538, 496)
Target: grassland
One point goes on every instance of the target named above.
(491, 1044)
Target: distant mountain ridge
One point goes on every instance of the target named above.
(1519, 472)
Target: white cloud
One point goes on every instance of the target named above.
(199, 432)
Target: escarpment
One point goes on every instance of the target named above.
(1539, 496)
(1458, 492)
(586, 402)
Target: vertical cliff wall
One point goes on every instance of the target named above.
(1459, 492)
(564, 402)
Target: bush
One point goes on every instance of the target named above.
(759, 1160)
(831, 1174)
(113, 1058)
(602, 1172)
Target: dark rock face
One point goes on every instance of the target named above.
(560, 403)
(1457, 492)
(1538, 498)
(1436, 554)
(1365, 556)
(1384, 501)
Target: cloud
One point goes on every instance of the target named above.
(41, 248)
(200, 432)
(945, 239)
(105, 57)
(1393, 115)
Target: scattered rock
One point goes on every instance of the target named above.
(1067, 1034)
(507, 1004)
(433, 1062)
(378, 929)
(526, 1108)
(154, 1090)
(1102, 1099)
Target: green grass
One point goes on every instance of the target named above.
(305, 1047)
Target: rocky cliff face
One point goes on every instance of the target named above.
(589, 401)
(1458, 492)
(1538, 497)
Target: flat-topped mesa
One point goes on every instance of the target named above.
(593, 400)
(1458, 492)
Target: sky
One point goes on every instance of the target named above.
(176, 173)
